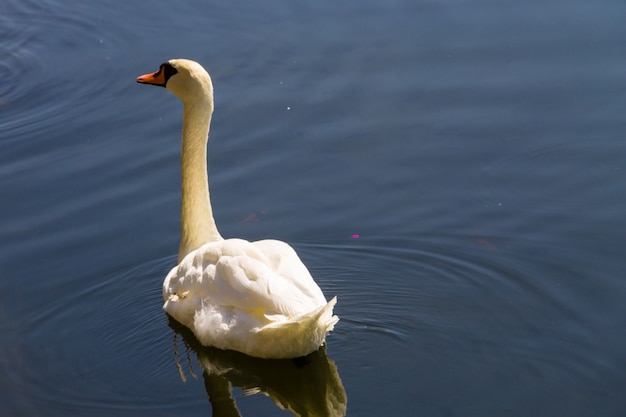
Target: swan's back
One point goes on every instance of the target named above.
(254, 297)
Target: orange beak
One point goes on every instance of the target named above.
(155, 78)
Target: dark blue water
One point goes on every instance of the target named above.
(453, 171)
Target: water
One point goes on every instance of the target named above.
(452, 171)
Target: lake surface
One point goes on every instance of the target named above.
(454, 171)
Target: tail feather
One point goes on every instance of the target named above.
(301, 335)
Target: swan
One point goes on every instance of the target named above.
(253, 297)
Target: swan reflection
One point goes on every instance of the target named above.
(308, 386)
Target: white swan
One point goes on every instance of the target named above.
(253, 297)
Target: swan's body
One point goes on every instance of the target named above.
(254, 297)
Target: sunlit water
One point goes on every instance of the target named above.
(452, 171)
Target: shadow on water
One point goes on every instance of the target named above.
(306, 386)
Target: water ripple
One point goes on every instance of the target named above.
(33, 96)
(112, 331)
(480, 297)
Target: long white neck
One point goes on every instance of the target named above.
(196, 218)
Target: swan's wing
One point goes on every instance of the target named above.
(268, 278)
(285, 262)
(264, 278)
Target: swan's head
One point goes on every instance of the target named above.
(185, 78)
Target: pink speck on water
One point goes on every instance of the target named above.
(355, 236)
